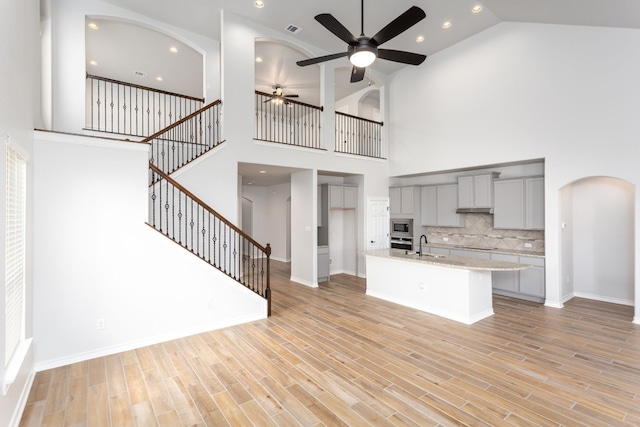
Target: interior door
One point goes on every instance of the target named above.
(377, 223)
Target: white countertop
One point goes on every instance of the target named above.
(451, 261)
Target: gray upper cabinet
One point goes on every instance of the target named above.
(534, 203)
(350, 197)
(438, 204)
(395, 200)
(343, 197)
(428, 206)
(401, 200)
(476, 191)
(519, 204)
(336, 196)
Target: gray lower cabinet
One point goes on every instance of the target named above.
(532, 279)
(323, 263)
(470, 254)
(528, 284)
(439, 251)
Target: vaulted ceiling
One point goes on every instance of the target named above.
(203, 17)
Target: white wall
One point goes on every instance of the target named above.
(277, 220)
(352, 105)
(603, 253)
(259, 197)
(304, 236)
(516, 91)
(19, 114)
(270, 217)
(96, 258)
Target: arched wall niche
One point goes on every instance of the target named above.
(597, 240)
(137, 52)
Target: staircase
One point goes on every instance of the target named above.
(187, 220)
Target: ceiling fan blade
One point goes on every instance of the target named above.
(319, 59)
(357, 74)
(292, 96)
(401, 56)
(402, 23)
(333, 25)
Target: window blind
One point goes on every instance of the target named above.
(15, 251)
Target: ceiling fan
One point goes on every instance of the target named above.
(363, 50)
(278, 96)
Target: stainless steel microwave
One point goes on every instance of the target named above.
(401, 227)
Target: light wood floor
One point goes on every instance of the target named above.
(333, 356)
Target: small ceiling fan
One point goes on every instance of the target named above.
(278, 96)
(363, 50)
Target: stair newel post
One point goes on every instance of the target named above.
(268, 290)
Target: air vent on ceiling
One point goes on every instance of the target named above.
(140, 73)
(293, 29)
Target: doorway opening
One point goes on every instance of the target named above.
(597, 240)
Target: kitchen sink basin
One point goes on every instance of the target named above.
(477, 248)
(434, 255)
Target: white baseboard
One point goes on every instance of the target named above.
(554, 304)
(303, 282)
(604, 298)
(280, 259)
(107, 351)
(22, 401)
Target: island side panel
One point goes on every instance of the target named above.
(442, 291)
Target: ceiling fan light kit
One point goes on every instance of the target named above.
(363, 51)
(363, 54)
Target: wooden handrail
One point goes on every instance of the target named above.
(164, 92)
(270, 95)
(182, 120)
(359, 118)
(207, 207)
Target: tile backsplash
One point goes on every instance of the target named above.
(479, 231)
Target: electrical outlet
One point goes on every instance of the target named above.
(209, 304)
(445, 239)
(99, 323)
(421, 285)
(528, 245)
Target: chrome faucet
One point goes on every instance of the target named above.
(425, 242)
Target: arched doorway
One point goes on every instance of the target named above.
(597, 240)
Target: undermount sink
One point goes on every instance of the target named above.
(477, 248)
(434, 255)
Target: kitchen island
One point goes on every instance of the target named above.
(454, 287)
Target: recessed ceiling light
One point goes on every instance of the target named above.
(263, 171)
(419, 39)
(159, 78)
(259, 4)
(446, 25)
(258, 59)
(249, 183)
(173, 49)
(93, 25)
(477, 8)
(92, 62)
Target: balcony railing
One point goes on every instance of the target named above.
(187, 139)
(188, 221)
(286, 121)
(128, 109)
(355, 135)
